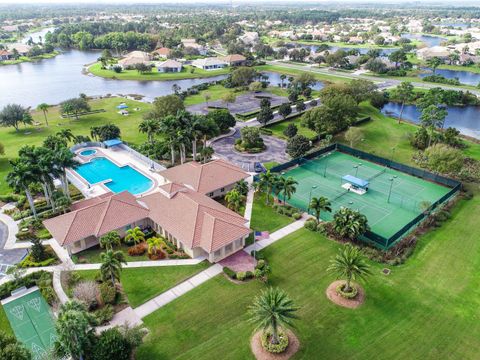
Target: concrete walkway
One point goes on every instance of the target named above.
(177, 291)
(249, 203)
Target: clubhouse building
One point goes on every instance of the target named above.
(182, 209)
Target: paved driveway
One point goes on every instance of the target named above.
(275, 151)
(8, 257)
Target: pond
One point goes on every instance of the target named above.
(465, 119)
(275, 80)
(427, 39)
(465, 77)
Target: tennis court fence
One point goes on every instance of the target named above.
(371, 237)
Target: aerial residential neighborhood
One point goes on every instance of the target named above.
(239, 180)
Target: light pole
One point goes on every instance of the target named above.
(393, 154)
(310, 198)
(325, 167)
(356, 168)
(391, 185)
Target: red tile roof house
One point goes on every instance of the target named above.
(179, 211)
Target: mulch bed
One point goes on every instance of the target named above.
(340, 300)
(261, 354)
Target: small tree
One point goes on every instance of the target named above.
(112, 265)
(353, 135)
(300, 106)
(320, 204)
(403, 93)
(229, 98)
(349, 224)
(234, 200)
(287, 186)
(298, 146)
(291, 130)
(86, 292)
(444, 159)
(434, 63)
(272, 311)
(284, 110)
(135, 235)
(255, 86)
(44, 108)
(109, 240)
(350, 264)
(266, 113)
(154, 244)
(11, 349)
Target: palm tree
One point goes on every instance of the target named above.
(282, 78)
(169, 126)
(73, 327)
(287, 187)
(350, 264)
(242, 187)
(20, 179)
(136, 235)
(154, 243)
(206, 152)
(63, 202)
(267, 183)
(272, 310)
(64, 159)
(234, 200)
(149, 127)
(66, 134)
(44, 108)
(109, 240)
(94, 132)
(112, 265)
(320, 204)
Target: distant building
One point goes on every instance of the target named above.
(22, 49)
(135, 57)
(211, 63)
(234, 59)
(169, 66)
(441, 52)
(162, 52)
(5, 55)
(192, 43)
(249, 38)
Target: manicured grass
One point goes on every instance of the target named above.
(270, 164)
(4, 323)
(93, 255)
(383, 133)
(264, 218)
(425, 309)
(279, 127)
(142, 284)
(295, 72)
(34, 135)
(215, 91)
(186, 73)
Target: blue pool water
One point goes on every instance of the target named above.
(122, 178)
(88, 152)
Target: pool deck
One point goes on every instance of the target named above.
(120, 157)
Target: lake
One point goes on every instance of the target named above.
(465, 77)
(274, 79)
(465, 119)
(427, 39)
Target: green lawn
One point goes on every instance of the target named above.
(92, 255)
(264, 218)
(425, 309)
(34, 135)
(142, 284)
(186, 73)
(4, 323)
(215, 92)
(279, 127)
(295, 72)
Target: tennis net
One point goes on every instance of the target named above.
(377, 174)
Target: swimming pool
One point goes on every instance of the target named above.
(122, 178)
(88, 152)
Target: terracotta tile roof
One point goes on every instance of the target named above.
(205, 178)
(162, 51)
(96, 217)
(233, 58)
(170, 64)
(207, 224)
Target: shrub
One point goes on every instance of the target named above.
(104, 315)
(107, 293)
(260, 264)
(111, 344)
(87, 292)
(347, 295)
(137, 250)
(29, 262)
(27, 281)
(241, 275)
(297, 216)
(249, 275)
(274, 348)
(229, 272)
(37, 251)
(311, 225)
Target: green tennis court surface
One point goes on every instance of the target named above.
(323, 177)
(31, 321)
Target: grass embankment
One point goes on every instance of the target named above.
(142, 284)
(4, 323)
(425, 309)
(264, 218)
(23, 59)
(186, 73)
(34, 135)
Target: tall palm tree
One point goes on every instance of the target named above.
(287, 187)
(207, 152)
(64, 159)
(63, 202)
(136, 235)
(168, 126)
(234, 200)
(320, 204)
(20, 179)
(267, 183)
(112, 265)
(46, 171)
(66, 134)
(350, 264)
(109, 240)
(44, 108)
(272, 310)
(149, 127)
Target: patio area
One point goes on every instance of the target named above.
(240, 261)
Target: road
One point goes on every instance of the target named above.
(383, 82)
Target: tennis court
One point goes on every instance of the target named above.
(31, 321)
(393, 198)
